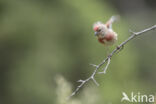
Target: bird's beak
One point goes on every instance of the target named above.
(95, 33)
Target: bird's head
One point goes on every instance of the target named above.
(99, 29)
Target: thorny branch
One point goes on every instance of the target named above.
(108, 59)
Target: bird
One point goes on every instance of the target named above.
(104, 32)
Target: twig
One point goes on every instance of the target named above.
(108, 59)
(105, 68)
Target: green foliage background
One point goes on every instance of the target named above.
(40, 39)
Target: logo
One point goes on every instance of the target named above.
(137, 97)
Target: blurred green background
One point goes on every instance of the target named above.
(40, 39)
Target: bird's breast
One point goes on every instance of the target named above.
(108, 39)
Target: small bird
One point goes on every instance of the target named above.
(105, 33)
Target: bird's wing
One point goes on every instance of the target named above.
(110, 21)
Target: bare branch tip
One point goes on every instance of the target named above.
(94, 65)
(95, 81)
(103, 72)
(131, 31)
(80, 80)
